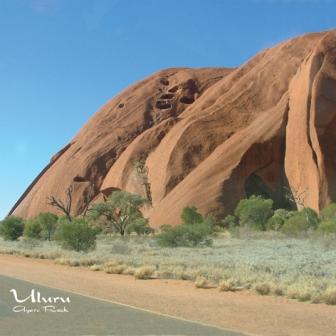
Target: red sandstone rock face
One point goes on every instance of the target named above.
(209, 137)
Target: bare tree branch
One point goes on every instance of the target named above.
(88, 198)
(65, 207)
(295, 196)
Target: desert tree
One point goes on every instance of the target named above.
(63, 205)
(89, 195)
(48, 222)
(120, 210)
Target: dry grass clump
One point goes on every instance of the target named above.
(96, 267)
(67, 261)
(183, 275)
(330, 296)
(263, 288)
(129, 271)
(113, 267)
(227, 286)
(300, 292)
(87, 262)
(74, 263)
(278, 291)
(62, 261)
(201, 282)
(144, 272)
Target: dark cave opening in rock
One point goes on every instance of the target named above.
(254, 185)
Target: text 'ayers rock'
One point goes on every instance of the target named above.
(209, 137)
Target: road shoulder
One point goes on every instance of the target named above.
(242, 311)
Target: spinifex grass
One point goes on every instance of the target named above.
(302, 269)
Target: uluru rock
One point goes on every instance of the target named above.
(209, 137)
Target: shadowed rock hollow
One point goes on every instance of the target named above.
(209, 137)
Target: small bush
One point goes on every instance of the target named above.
(11, 228)
(144, 272)
(330, 297)
(228, 222)
(312, 217)
(254, 212)
(201, 282)
(32, 229)
(190, 215)
(227, 286)
(87, 261)
(114, 269)
(329, 212)
(140, 227)
(165, 227)
(301, 223)
(76, 235)
(186, 235)
(129, 271)
(278, 219)
(263, 289)
(95, 268)
(62, 261)
(300, 292)
(278, 291)
(74, 263)
(327, 227)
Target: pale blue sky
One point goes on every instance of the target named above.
(60, 60)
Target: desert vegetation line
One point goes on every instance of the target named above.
(254, 219)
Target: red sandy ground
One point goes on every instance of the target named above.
(243, 311)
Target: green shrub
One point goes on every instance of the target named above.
(278, 219)
(190, 215)
(170, 236)
(165, 227)
(327, 227)
(11, 228)
(32, 229)
(186, 234)
(228, 222)
(254, 212)
(312, 217)
(140, 227)
(329, 212)
(48, 222)
(301, 223)
(76, 235)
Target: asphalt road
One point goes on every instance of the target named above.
(83, 316)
